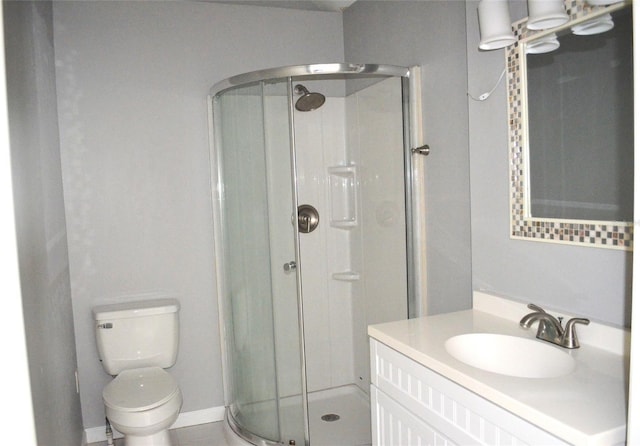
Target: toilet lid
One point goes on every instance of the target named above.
(139, 389)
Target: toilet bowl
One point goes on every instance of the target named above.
(142, 404)
(136, 341)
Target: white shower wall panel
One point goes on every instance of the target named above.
(381, 149)
(378, 245)
(359, 131)
(320, 144)
(359, 323)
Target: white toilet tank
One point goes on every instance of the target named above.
(137, 334)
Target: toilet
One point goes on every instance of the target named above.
(136, 341)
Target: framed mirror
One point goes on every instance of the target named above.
(570, 92)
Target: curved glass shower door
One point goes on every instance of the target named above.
(259, 291)
(295, 302)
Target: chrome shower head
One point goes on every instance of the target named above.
(308, 101)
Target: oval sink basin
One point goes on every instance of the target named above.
(510, 355)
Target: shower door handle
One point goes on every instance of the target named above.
(422, 150)
(289, 266)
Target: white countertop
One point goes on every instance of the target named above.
(586, 407)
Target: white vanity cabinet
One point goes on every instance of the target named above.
(422, 395)
(412, 405)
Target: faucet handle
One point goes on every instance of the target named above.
(534, 307)
(569, 337)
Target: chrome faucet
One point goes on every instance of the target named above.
(550, 329)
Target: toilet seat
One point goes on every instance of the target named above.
(137, 390)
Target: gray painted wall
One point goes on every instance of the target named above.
(40, 221)
(430, 34)
(592, 282)
(132, 84)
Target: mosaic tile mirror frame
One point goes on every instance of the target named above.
(615, 235)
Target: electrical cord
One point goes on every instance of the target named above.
(485, 96)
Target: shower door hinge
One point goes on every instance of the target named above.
(422, 150)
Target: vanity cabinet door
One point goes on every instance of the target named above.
(405, 393)
(394, 425)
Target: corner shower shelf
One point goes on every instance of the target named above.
(342, 187)
(346, 276)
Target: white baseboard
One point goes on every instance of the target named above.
(193, 418)
(185, 419)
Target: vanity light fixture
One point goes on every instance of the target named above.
(596, 26)
(546, 14)
(603, 2)
(543, 45)
(495, 25)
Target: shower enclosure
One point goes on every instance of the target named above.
(311, 168)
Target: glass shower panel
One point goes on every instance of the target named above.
(282, 208)
(348, 160)
(252, 389)
(264, 387)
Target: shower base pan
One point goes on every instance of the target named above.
(337, 416)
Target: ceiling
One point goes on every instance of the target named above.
(310, 5)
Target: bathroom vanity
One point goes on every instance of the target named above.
(421, 394)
